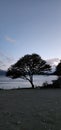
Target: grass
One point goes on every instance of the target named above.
(30, 109)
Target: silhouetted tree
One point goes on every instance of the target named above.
(27, 66)
(58, 69)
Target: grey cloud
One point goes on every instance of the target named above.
(5, 61)
(53, 61)
(9, 39)
(9, 59)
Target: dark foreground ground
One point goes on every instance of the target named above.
(27, 109)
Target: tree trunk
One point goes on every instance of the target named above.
(31, 81)
(32, 85)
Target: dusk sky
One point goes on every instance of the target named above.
(29, 26)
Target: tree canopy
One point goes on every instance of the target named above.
(27, 66)
(58, 69)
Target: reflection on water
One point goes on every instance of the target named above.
(8, 83)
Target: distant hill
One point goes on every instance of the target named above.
(2, 72)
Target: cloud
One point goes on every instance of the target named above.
(1, 62)
(5, 61)
(9, 39)
(2, 65)
(9, 59)
(53, 61)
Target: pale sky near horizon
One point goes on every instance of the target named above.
(29, 26)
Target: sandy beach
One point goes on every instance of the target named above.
(30, 109)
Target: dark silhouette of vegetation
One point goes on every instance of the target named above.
(58, 69)
(27, 66)
(55, 84)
